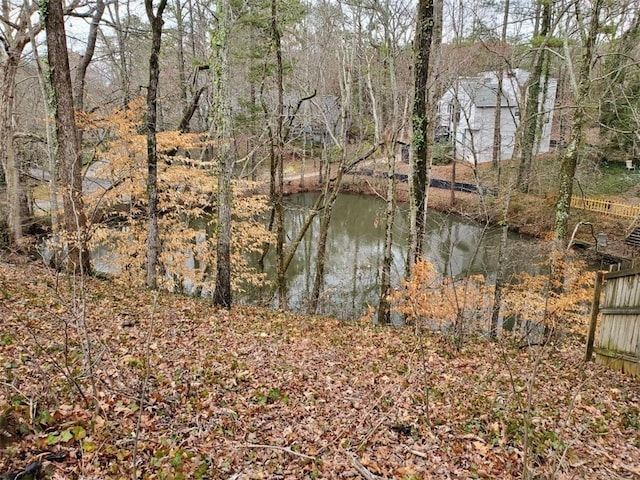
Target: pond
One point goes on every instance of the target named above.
(355, 246)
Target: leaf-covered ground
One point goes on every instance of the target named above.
(188, 391)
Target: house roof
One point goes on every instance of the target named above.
(483, 94)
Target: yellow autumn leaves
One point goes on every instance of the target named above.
(187, 194)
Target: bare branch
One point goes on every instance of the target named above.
(282, 449)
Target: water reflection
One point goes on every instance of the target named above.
(355, 247)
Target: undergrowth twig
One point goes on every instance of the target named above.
(143, 388)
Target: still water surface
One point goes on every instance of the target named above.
(355, 245)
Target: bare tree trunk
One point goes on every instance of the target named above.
(7, 150)
(534, 104)
(578, 124)
(346, 85)
(85, 60)
(434, 93)
(325, 220)
(496, 153)
(420, 173)
(122, 31)
(81, 71)
(47, 99)
(277, 175)
(153, 236)
(454, 135)
(501, 254)
(222, 123)
(318, 280)
(182, 77)
(15, 36)
(384, 307)
(394, 126)
(69, 158)
(293, 246)
(187, 114)
(377, 127)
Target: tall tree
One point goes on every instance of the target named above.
(265, 26)
(222, 126)
(181, 33)
(120, 53)
(332, 185)
(80, 80)
(68, 154)
(153, 236)
(15, 29)
(496, 158)
(420, 172)
(277, 157)
(384, 307)
(582, 88)
(534, 102)
(47, 98)
(394, 122)
(496, 153)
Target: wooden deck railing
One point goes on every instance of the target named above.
(606, 207)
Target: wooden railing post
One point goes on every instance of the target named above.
(606, 207)
(595, 310)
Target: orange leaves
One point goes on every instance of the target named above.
(536, 298)
(421, 295)
(171, 140)
(439, 302)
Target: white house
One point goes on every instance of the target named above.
(467, 112)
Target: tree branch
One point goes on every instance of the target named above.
(362, 470)
(295, 113)
(190, 110)
(28, 136)
(282, 449)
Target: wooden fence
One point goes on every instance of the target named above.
(618, 342)
(606, 207)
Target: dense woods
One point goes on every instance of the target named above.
(170, 133)
(269, 89)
